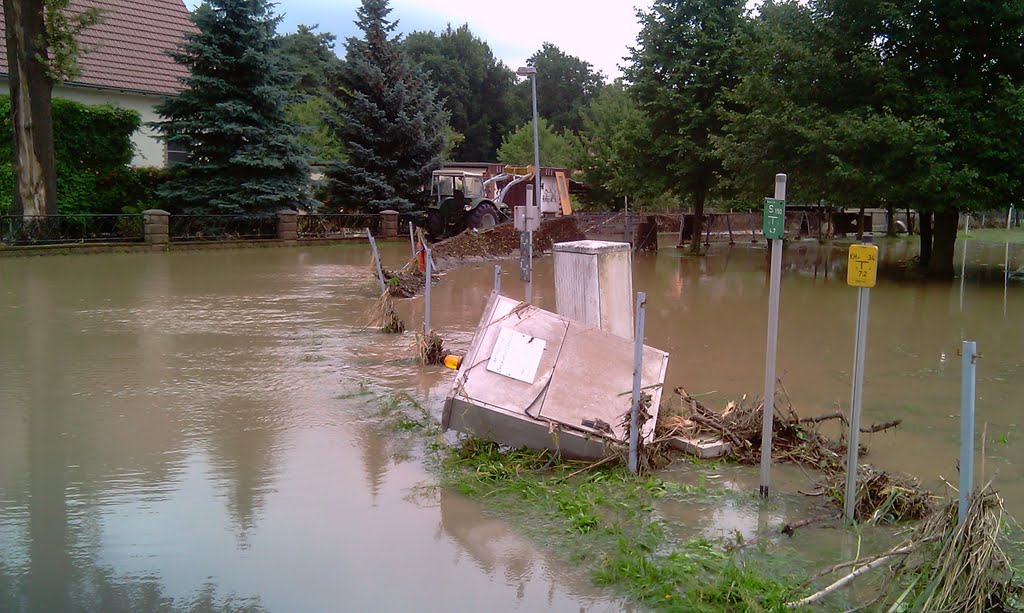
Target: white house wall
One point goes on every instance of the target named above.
(149, 150)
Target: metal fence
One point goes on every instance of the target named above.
(337, 225)
(56, 229)
(221, 227)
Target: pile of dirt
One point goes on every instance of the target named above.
(503, 240)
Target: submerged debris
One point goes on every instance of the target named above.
(383, 316)
(942, 565)
(881, 496)
(404, 283)
(430, 348)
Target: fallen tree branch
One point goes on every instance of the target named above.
(870, 566)
(821, 418)
(714, 425)
(883, 426)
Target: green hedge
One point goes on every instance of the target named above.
(93, 151)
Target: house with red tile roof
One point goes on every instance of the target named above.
(125, 61)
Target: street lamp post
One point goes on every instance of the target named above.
(531, 71)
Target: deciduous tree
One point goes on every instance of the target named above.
(474, 85)
(685, 58)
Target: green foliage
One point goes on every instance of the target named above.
(62, 30)
(309, 58)
(566, 85)
(685, 58)
(615, 513)
(390, 119)
(475, 87)
(612, 155)
(93, 150)
(244, 154)
(316, 134)
(560, 150)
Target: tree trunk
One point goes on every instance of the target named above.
(943, 241)
(860, 223)
(698, 220)
(890, 220)
(35, 190)
(926, 238)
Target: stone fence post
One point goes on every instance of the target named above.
(389, 224)
(287, 225)
(155, 226)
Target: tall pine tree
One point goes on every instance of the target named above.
(392, 122)
(243, 152)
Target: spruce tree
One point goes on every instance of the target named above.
(391, 121)
(243, 152)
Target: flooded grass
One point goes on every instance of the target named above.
(995, 235)
(605, 520)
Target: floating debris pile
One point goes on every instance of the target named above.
(881, 495)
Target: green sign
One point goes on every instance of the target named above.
(774, 217)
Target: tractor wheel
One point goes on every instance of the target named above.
(484, 215)
(435, 225)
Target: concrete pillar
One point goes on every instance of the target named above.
(594, 284)
(287, 225)
(156, 226)
(389, 224)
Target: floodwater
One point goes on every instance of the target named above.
(196, 430)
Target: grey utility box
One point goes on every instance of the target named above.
(594, 284)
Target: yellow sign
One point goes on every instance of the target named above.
(863, 266)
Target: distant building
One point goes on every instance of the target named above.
(125, 63)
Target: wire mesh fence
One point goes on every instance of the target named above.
(222, 227)
(57, 229)
(337, 225)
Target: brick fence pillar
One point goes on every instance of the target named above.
(287, 225)
(155, 226)
(389, 224)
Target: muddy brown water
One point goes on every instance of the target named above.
(195, 430)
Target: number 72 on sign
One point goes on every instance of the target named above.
(863, 266)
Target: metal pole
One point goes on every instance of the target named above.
(1009, 216)
(852, 441)
(412, 240)
(968, 365)
(728, 223)
(497, 279)
(1006, 275)
(536, 190)
(963, 275)
(638, 363)
(768, 411)
(426, 293)
(376, 260)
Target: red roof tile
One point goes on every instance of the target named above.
(128, 48)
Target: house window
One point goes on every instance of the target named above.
(176, 154)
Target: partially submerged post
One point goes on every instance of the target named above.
(862, 271)
(638, 364)
(412, 240)
(426, 292)
(774, 228)
(497, 278)
(969, 361)
(376, 261)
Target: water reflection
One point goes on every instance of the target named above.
(173, 436)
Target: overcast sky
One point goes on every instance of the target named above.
(596, 32)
